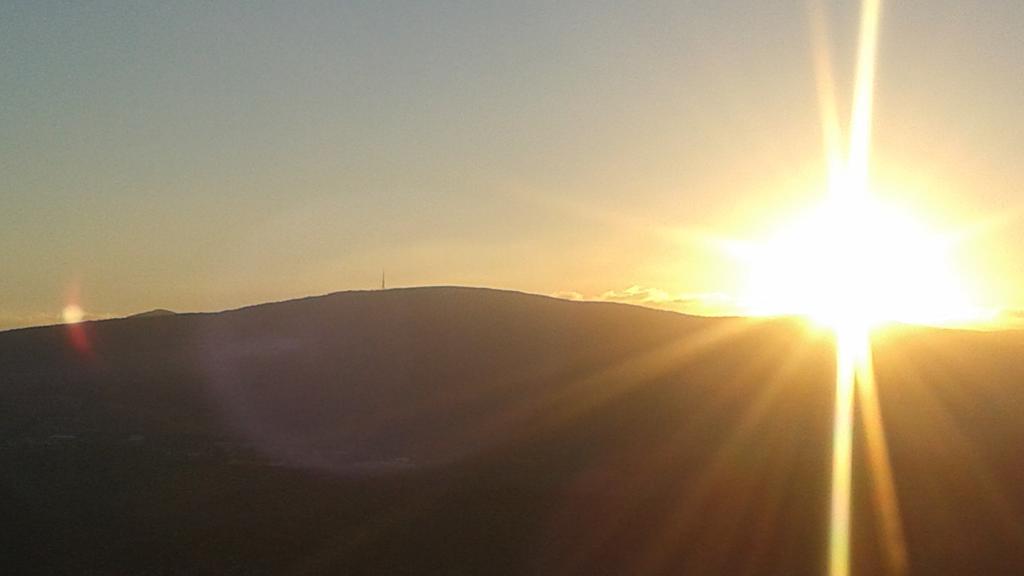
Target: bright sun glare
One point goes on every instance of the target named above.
(854, 261)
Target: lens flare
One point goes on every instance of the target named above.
(855, 259)
(852, 263)
(857, 242)
(72, 314)
(854, 368)
(853, 339)
(842, 453)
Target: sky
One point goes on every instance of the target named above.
(203, 156)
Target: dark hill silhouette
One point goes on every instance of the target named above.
(472, 431)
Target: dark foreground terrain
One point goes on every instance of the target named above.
(464, 431)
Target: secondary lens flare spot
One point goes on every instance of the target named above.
(72, 314)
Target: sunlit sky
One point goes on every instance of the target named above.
(200, 156)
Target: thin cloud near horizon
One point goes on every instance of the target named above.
(708, 303)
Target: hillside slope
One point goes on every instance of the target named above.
(457, 430)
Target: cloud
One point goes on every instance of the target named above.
(709, 303)
(635, 293)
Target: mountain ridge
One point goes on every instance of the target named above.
(481, 431)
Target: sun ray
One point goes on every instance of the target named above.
(842, 456)
(855, 262)
(854, 370)
(863, 96)
(883, 489)
(831, 132)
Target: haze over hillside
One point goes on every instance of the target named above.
(473, 431)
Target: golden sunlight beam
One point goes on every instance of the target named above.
(863, 95)
(842, 456)
(853, 263)
(883, 489)
(826, 94)
(851, 338)
(854, 369)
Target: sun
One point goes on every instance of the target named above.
(854, 262)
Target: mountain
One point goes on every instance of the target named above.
(474, 431)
